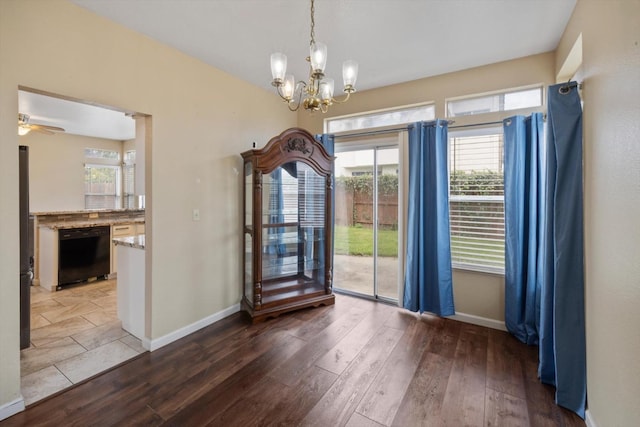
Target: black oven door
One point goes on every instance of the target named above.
(84, 253)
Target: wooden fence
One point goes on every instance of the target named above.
(354, 208)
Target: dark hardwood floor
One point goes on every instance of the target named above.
(357, 363)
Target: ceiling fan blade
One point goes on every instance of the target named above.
(52, 128)
(40, 129)
(46, 128)
(23, 122)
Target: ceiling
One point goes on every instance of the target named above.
(393, 40)
(76, 118)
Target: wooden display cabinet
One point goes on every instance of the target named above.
(287, 226)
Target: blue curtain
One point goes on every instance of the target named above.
(523, 208)
(544, 243)
(428, 277)
(562, 324)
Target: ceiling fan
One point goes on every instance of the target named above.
(24, 127)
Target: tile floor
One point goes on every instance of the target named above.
(75, 334)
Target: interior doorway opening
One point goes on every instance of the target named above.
(76, 331)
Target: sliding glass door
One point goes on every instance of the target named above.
(366, 231)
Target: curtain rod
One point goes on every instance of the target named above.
(476, 124)
(394, 130)
(398, 129)
(371, 132)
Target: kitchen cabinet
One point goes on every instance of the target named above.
(287, 226)
(131, 285)
(122, 230)
(48, 249)
(47, 228)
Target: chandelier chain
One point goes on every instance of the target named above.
(313, 25)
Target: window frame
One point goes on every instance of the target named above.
(502, 112)
(478, 131)
(104, 162)
(128, 171)
(374, 113)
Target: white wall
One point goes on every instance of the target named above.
(199, 125)
(611, 95)
(56, 169)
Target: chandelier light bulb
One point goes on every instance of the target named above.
(278, 66)
(318, 56)
(326, 89)
(288, 87)
(349, 73)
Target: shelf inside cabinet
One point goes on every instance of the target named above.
(289, 289)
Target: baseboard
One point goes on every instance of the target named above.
(588, 419)
(11, 408)
(480, 321)
(157, 343)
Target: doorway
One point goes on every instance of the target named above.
(367, 220)
(76, 332)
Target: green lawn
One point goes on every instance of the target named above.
(359, 241)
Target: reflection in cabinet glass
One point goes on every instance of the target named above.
(287, 225)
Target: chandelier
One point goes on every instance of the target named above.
(317, 93)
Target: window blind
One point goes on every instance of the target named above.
(128, 177)
(477, 201)
(312, 199)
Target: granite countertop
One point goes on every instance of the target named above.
(130, 241)
(88, 211)
(92, 223)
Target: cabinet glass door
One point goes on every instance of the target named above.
(293, 224)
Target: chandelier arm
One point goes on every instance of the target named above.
(292, 103)
(341, 101)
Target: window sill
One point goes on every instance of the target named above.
(494, 271)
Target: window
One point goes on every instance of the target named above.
(128, 180)
(102, 179)
(396, 116)
(476, 186)
(101, 187)
(96, 153)
(508, 100)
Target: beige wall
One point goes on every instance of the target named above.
(476, 294)
(520, 72)
(56, 169)
(611, 94)
(200, 124)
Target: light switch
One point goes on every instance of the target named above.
(196, 214)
